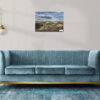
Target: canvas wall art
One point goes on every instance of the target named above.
(49, 21)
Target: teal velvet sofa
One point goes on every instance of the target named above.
(50, 65)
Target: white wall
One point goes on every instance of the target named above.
(81, 24)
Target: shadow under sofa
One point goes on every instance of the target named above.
(50, 66)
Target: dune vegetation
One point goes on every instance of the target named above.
(48, 26)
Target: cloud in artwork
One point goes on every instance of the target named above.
(49, 16)
(45, 16)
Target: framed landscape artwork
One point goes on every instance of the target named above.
(49, 21)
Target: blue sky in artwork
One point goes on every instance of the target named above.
(49, 16)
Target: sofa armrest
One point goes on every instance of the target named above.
(4, 60)
(94, 60)
(6, 54)
(1, 63)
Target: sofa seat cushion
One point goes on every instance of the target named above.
(79, 69)
(50, 69)
(20, 69)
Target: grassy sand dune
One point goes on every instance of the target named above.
(48, 26)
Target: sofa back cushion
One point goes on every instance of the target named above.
(48, 57)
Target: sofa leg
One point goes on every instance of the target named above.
(49, 83)
(3, 83)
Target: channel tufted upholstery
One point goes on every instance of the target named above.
(38, 57)
(49, 65)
